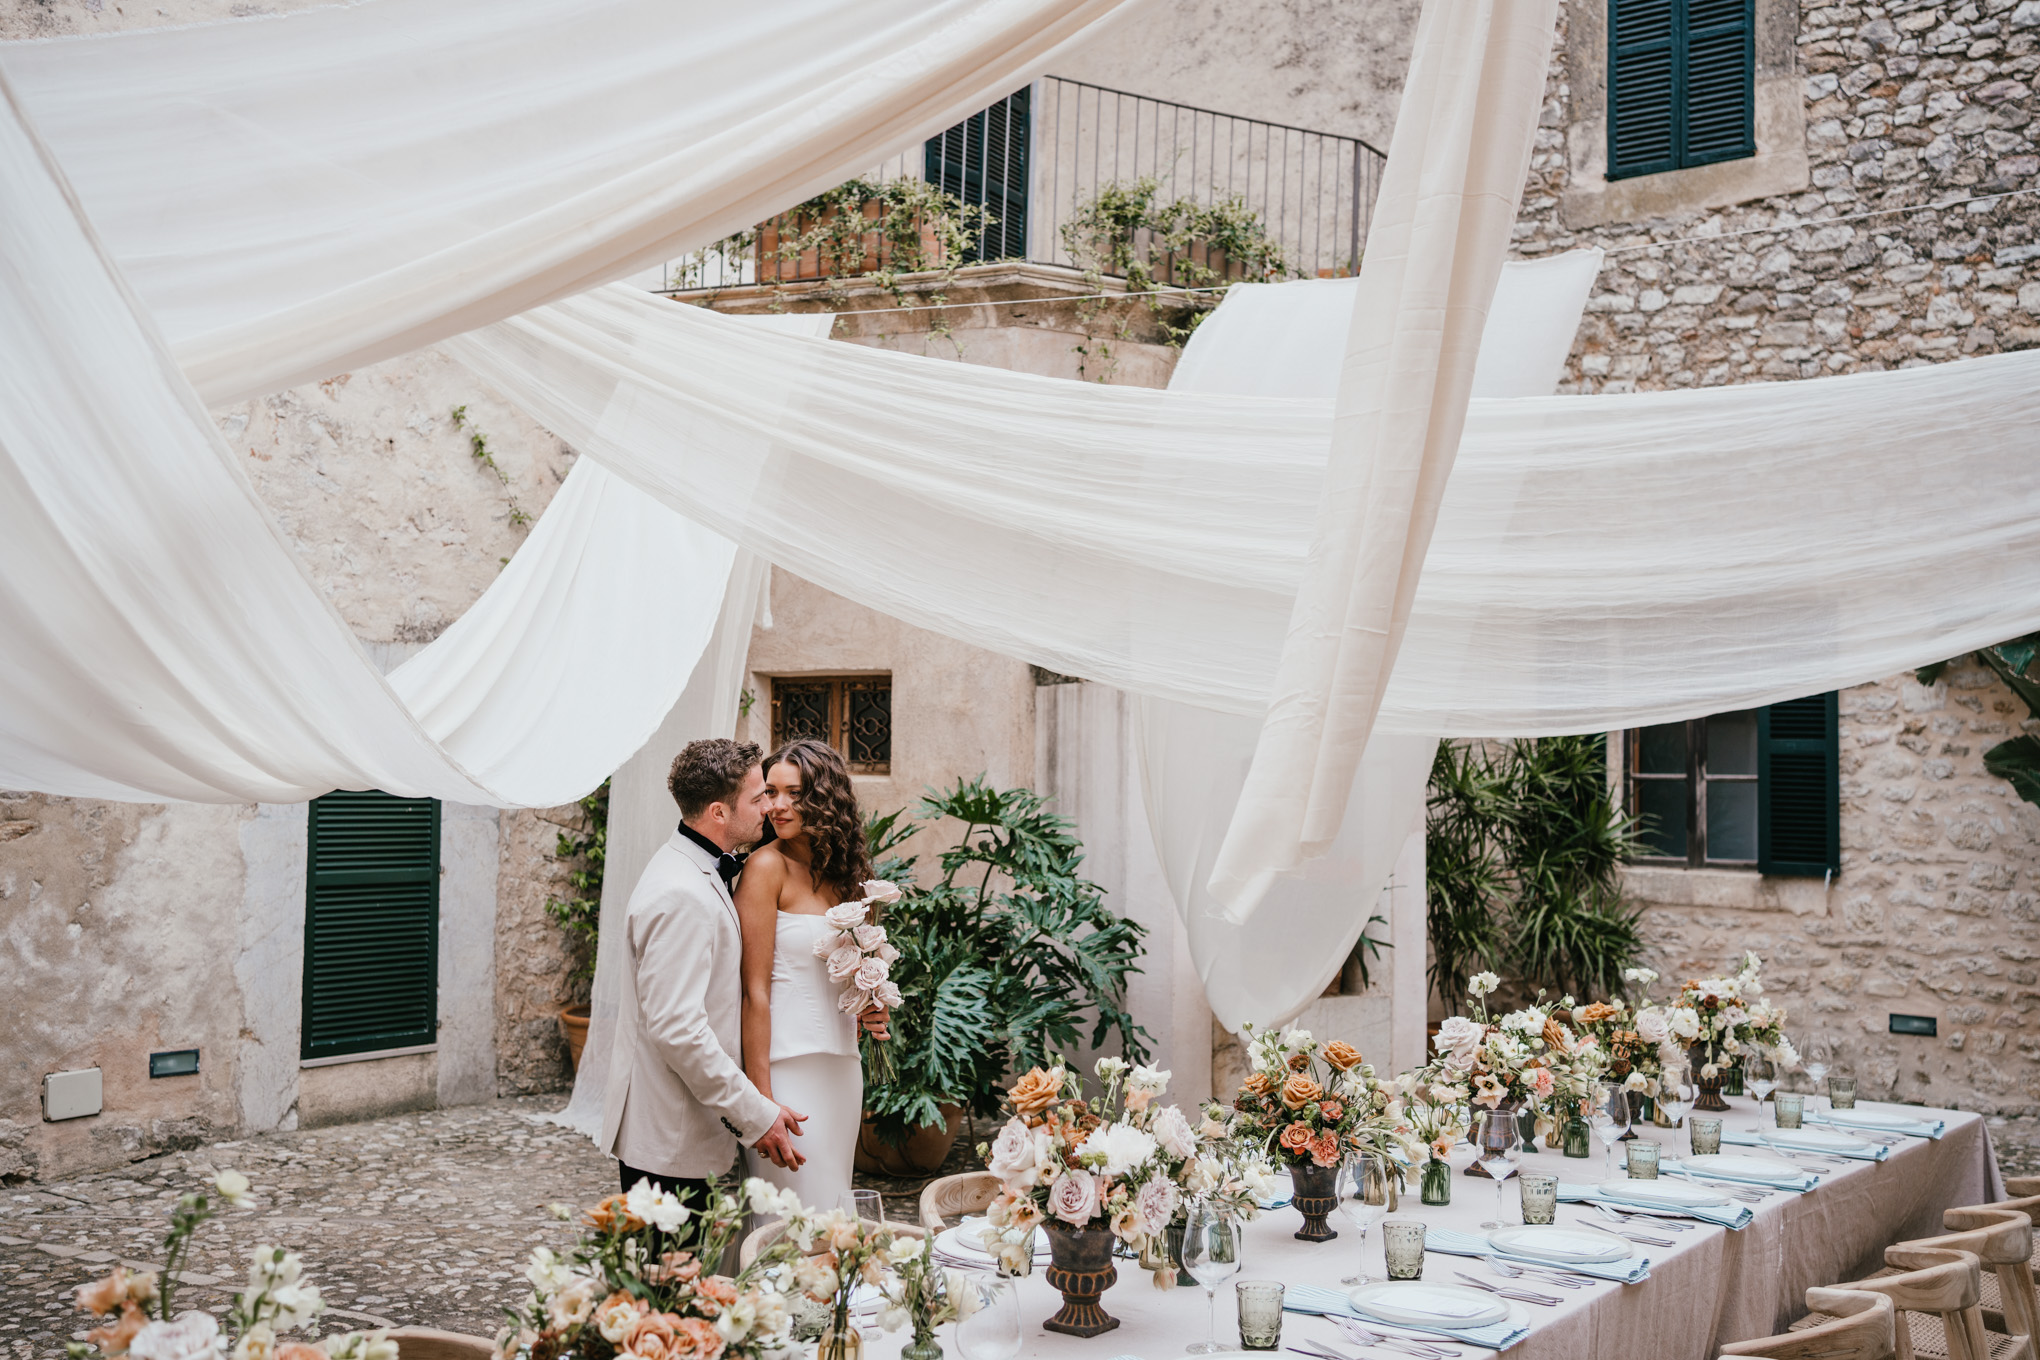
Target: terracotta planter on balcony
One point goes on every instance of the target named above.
(574, 1025)
(922, 1154)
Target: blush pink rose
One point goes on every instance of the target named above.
(1074, 1198)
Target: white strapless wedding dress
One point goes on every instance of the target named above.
(815, 1068)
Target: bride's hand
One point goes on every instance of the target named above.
(874, 1022)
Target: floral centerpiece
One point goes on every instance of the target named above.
(1310, 1103)
(1719, 1019)
(1525, 1061)
(137, 1321)
(1113, 1168)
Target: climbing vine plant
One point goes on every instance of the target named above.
(585, 849)
(478, 446)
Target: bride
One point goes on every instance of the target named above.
(800, 1049)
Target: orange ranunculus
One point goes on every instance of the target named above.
(113, 1338)
(1324, 1149)
(1300, 1091)
(700, 1338)
(1296, 1138)
(1334, 1110)
(1257, 1086)
(1298, 1062)
(1594, 1013)
(719, 1289)
(1342, 1055)
(1034, 1092)
(610, 1215)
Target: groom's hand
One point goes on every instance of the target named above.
(777, 1141)
(874, 1020)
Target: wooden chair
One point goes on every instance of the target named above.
(429, 1343)
(1936, 1294)
(956, 1196)
(764, 1237)
(1862, 1328)
(2026, 1190)
(2001, 1235)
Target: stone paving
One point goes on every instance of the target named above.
(419, 1219)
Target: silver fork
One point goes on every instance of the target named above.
(1515, 1272)
(1363, 1336)
(1520, 1295)
(1636, 1219)
(1623, 1231)
(1748, 1194)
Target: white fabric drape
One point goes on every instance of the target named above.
(297, 195)
(1193, 761)
(1435, 247)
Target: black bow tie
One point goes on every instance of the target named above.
(726, 864)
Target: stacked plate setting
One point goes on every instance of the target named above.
(1737, 1166)
(1662, 1194)
(1413, 1303)
(1814, 1140)
(960, 1247)
(1566, 1246)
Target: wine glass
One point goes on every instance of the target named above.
(1211, 1253)
(1814, 1062)
(864, 1204)
(1675, 1094)
(1760, 1077)
(1500, 1151)
(1363, 1199)
(993, 1331)
(1610, 1117)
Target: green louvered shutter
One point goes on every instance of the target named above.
(1799, 788)
(983, 161)
(1642, 87)
(1720, 82)
(1681, 84)
(371, 924)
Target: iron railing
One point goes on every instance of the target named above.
(1038, 158)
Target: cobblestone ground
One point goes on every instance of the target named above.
(422, 1219)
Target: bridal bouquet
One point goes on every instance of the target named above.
(1310, 1102)
(136, 1307)
(1726, 1016)
(861, 957)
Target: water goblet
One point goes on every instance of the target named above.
(1676, 1093)
(993, 1331)
(1211, 1253)
(1814, 1062)
(1760, 1077)
(1610, 1118)
(864, 1204)
(1500, 1151)
(1363, 1199)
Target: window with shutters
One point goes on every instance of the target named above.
(1758, 789)
(371, 924)
(983, 161)
(852, 713)
(1681, 84)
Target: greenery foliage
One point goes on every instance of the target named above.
(587, 850)
(1524, 844)
(478, 445)
(2017, 760)
(1004, 961)
(1132, 231)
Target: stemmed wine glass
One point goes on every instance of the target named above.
(1610, 1117)
(1675, 1095)
(1760, 1077)
(1211, 1253)
(1814, 1062)
(993, 1331)
(1500, 1151)
(1363, 1199)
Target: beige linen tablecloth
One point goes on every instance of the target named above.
(1712, 1286)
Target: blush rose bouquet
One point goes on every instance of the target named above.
(1526, 1059)
(1308, 1102)
(1725, 1017)
(861, 957)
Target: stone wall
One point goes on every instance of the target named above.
(534, 960)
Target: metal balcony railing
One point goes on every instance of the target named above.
(1036, 160)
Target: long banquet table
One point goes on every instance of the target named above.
(1712, 1286)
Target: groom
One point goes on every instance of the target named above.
(678, 1103)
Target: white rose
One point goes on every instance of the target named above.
(193, 1336)
(1651, 1025)
(1459, 1036)
(844, 961)
(1172, 1131)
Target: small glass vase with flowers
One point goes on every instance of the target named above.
(1633, 1038)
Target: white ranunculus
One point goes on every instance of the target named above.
(1480, 984)
(1684, 1024)
(547, 1272)
(1173, 1132)
(1147, 1079)
(1108, 1067)
(1117, 1149)
(194, 1335)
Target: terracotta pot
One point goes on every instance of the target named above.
(922, 1154)
(574, 1025)
(1082, 1270)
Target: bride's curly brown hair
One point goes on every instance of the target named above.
(828, 813)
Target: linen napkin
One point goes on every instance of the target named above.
(1879, 1122)
(1870, 1152)
(1309, 1298)
(1734, 1217)
(1632, 1271)
(1806, 1181)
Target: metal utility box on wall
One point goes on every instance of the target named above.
(71, 1095)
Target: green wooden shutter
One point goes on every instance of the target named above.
(371, 924)
(1799, 788)
(983, 161)
(1642, 87)
(1720, 82)
(1681, 84)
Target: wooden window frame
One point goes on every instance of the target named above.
(840, 690)
(1696, 779)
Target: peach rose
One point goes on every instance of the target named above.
(1300, 1091)
(113, 1338)
(1594, 1013)
(718, 1289)
(103, 1296)
(654, 1336)
(1296, 1138)
(297, 1350)
(1342, 1055)
(701, 1338)
(1257, 1086)
(1334, 1110)
(1324, 1149)
(1034, 1092)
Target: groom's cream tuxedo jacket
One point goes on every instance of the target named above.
(677, 1100)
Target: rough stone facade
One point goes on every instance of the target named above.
(535, 961)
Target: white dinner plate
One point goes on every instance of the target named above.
(1814, 1140)
(1736, 1166)
(1870, 1119)
(1663, 1194)
(1413, 1303)
(1560, 1245)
